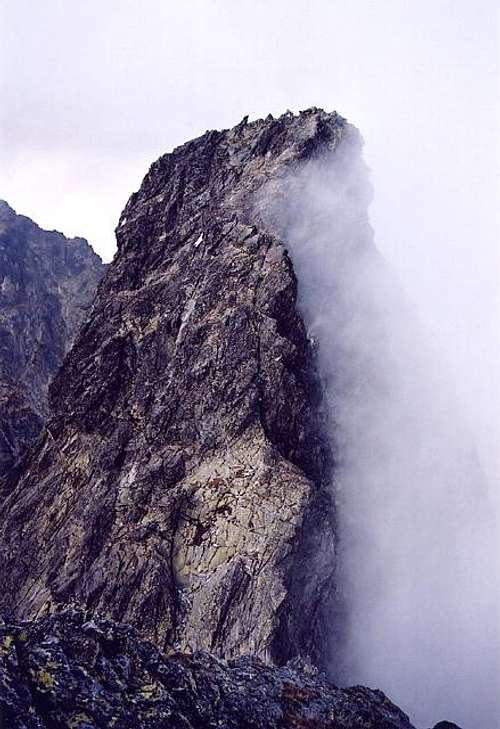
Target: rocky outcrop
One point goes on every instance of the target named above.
(47, 283)
(182, 484)
(82, 672)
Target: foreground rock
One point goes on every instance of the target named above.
(78, 671)
(47, 285)
(182, 484)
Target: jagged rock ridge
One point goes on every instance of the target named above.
(47, 283)
(79, 671)
(182, 483)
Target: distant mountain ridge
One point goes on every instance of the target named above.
(47, 283)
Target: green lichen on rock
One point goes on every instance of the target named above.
(80, 721)
(105, 675)
(44, 680)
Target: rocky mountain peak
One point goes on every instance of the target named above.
(186, 482)
(47, 283)
(183, 490)
(219, 171)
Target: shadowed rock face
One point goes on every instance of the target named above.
(47, 283)
(74, 670)
(182, 484)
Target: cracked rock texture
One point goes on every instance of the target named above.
(82, 672)
(182, 483)
(47, 283)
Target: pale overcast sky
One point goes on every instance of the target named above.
(93, 92)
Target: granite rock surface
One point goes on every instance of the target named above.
(183, 484)
(47, 283)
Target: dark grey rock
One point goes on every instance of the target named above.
(81, 671)
(47, 283)
(182, 483)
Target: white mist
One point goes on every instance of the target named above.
(418, 597)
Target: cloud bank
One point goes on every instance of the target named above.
(418, 569)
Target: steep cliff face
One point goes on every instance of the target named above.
(47, 285)
(182, 484)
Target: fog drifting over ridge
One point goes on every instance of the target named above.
(96, 91)
(418, 561)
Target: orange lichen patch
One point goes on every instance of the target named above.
(298, 693)
(216, 482)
